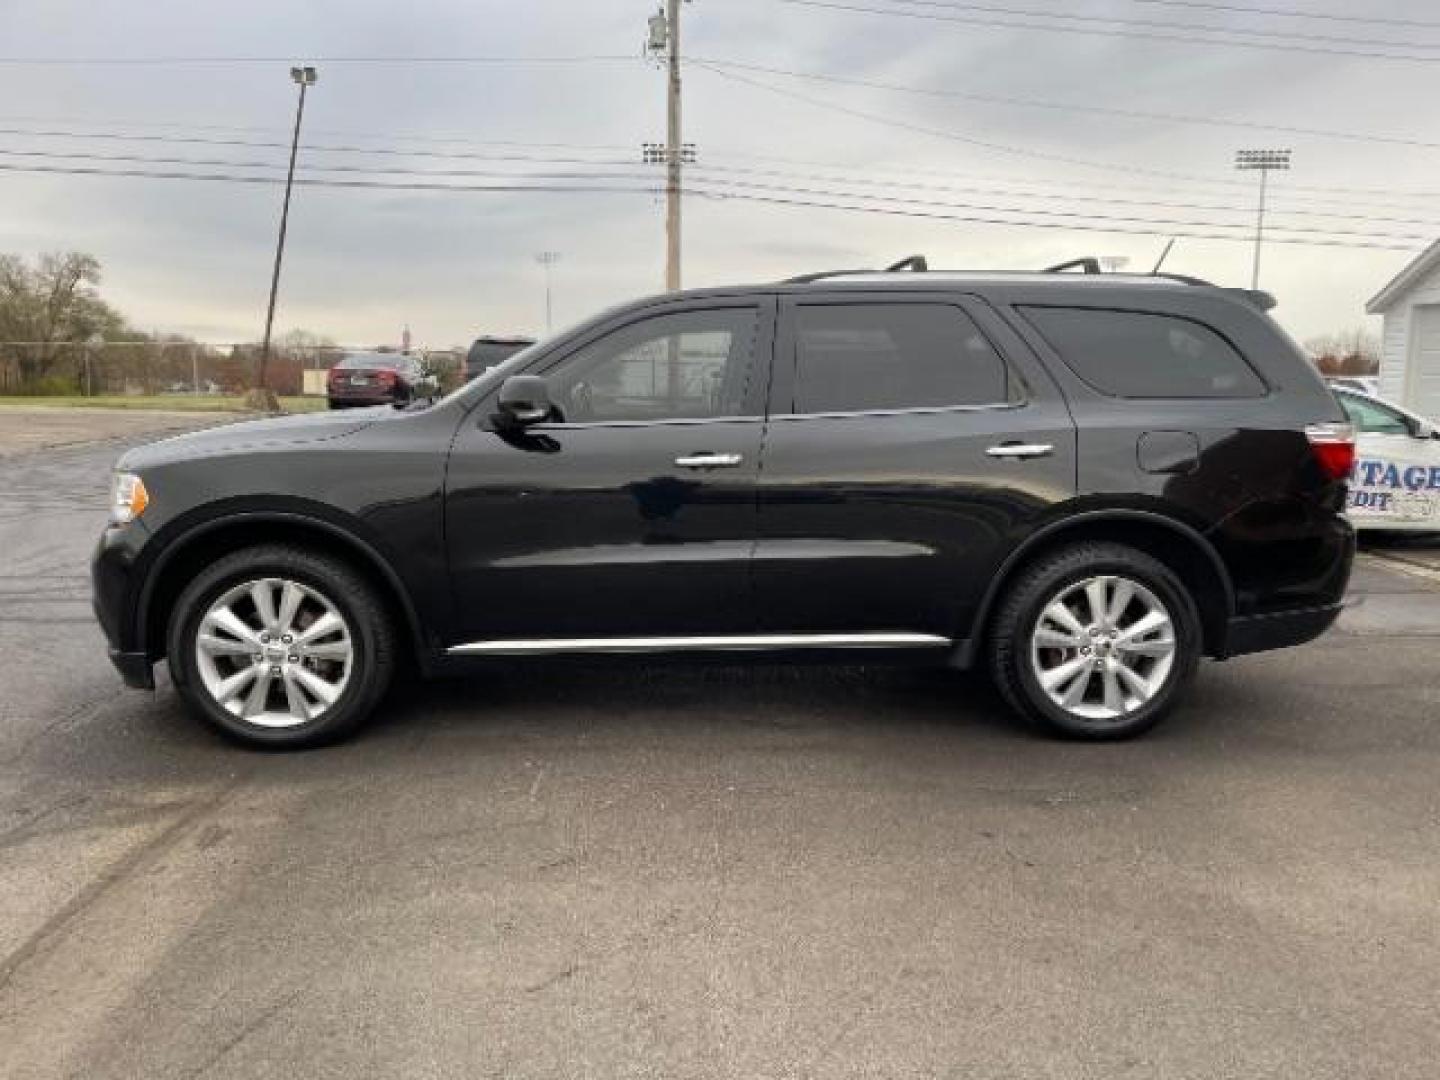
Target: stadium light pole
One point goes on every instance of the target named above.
(548, 259)
(1264, 162)
(305, 77)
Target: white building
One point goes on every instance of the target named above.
(1410, 348)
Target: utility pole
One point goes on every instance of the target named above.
(672, 155)
(548, 259)
(1264, 162)
(665, 39)
(261, 395)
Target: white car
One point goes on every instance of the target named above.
(1366, 384)
(1396, 482)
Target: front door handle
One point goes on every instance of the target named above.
(1021, 450)
(709, 461)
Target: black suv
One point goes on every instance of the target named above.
(1083, 482)
(488, 352)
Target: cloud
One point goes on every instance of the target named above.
(195, 256)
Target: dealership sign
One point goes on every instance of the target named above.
(1386, 492)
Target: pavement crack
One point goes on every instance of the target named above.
(258, 1021)
(568, 971)
(53, 929)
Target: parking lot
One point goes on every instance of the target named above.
(705, 871)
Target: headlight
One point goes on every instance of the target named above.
(128, 497)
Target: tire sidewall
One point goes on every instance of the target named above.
(196, 600)
(1183, 616)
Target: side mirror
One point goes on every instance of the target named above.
(523, 400)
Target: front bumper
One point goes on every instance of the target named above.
(136, 669)
(115, 599)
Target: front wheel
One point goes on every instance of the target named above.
(1096, 641)
(280, 646)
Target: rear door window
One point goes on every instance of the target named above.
(876, 357)
(1134, 354)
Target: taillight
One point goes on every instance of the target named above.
(1334, 447)
(385, 377)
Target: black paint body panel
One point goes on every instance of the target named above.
(898, 521)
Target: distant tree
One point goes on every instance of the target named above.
(54, 306)
(1349, 352)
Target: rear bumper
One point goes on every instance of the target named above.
(378, 397)
(1278, 630)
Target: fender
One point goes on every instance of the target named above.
(968, 646)
(221, 515)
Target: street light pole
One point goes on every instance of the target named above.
(306, 78)
(1264, 162)
(548, 259)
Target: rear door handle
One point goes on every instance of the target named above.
(709, 461)
(1021, 450)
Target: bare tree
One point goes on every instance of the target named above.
(53, 304)
(1349, 352)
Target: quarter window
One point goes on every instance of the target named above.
(1134, 354)
(689, 365)
(867, 357)
(1372, 418)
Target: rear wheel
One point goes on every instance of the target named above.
(1096, 641)
(279, 646)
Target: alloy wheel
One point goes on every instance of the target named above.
(1103, 647)
(274, 652)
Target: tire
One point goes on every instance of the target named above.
(318, 690)
(1094, 698)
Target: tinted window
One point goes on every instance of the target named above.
(485, 354)
(681, 366)
(1139, 355)
(1373, 418)
(861, 357)
(366, 360)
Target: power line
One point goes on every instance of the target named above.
(109, 124)
(1283, 36)
(1040, 155)
(954, 136)
(1031, 103)
(723, 173)
(164, 61)
(457, 155)
(1143, 35)
(383, 185)
(1128, 219)
(971, 219)
(1292, 13)
(199, 140)
(1117, 226)
(372, 170)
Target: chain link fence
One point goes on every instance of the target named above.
(153, 368)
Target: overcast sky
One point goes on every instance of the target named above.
(194, 256)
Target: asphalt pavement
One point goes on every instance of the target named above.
(712, 871)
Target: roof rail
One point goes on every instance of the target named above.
(914, 263)
(1089, 265)
(806, 279)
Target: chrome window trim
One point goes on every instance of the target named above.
(679, 421)
(1005, 406)
(696, 643)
